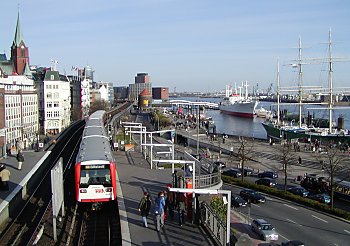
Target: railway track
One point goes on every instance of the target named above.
(28, 225)
(101, 226)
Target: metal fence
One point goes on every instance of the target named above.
(213, 223)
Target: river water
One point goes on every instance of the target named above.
(252, 127)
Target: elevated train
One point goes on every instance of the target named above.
(95, 168)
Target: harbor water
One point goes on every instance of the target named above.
(252, 127)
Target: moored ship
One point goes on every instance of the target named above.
(279, 129)
(236, 104)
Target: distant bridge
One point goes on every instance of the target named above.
(178, 102)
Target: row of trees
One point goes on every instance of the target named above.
(330, 158)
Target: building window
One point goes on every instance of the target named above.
(49, 105)
(52, 77)
(49, 95)
(56, 104)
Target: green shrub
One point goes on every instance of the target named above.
(217, 204)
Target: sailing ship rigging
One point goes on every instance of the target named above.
(281, 130)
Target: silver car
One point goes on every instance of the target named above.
(264, 230)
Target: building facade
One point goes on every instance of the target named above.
(18, 112)
(142, 78)
(19, 124)
(160, 93)
(142, 81)
(121, 92)
(57, 107)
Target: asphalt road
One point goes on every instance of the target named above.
(293, 221)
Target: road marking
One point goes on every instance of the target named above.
(291, 221)
(256, 205)
(319, 218)
(283, 237)
(289, 206)
(347, 231)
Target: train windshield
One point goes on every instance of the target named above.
(95, 175)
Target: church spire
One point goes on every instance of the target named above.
(18, 35)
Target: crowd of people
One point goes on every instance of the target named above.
(164, 207)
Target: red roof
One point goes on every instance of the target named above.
(145, 93)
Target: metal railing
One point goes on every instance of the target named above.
(213, 223)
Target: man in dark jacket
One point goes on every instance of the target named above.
(20, 159)
(181, 207)
(144, 207)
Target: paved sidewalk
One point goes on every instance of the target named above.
(135, 177)
(31, 158)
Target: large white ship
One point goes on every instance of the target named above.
(234, 103)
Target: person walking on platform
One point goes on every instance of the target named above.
(159, 210)
(20, 159)
(181, 207)
(144, 207)
(5, 177)
(171, 204)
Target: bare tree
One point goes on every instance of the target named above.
(331, 160)
(98, 105)
(244, 153)
(287, 157)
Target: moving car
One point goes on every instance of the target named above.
(322, 198)
(264, 229)
(268, 174)
(232, 173)
(293, 243)
(267, 182)
(252, 196)
(237, 201)
(300, 191)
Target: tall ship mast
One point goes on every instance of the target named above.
(287, 130)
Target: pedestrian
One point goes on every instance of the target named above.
(171, 204)
(144, 207)
(181, 207)
(20, 159)
(5, 177)
(159, 210)
(175, 180)
(299, 160)
(166, 206)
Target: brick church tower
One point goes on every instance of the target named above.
(19, 52)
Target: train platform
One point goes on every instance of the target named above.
(18, 179)
(136, 177)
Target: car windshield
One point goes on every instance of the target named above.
(266, 227)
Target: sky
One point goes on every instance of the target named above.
(186, 45)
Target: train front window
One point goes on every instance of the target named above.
(95, 175)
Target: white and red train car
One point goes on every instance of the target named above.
(95, 169)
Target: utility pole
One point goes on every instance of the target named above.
(198, 133)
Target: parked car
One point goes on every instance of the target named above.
(252, 196)
(300, 191)
(247, 171)
(237, 201)
(232, 173)
(264, 229)
(268, 174)
(220, 163)
(322, 198)
(267, 182)
(293, 243)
